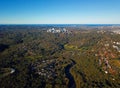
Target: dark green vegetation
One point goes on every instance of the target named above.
(41, 59)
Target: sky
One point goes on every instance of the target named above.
(59, 11)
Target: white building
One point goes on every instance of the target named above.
(53, 30)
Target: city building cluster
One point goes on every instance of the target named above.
(61, 30)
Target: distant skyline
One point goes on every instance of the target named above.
(59, 11)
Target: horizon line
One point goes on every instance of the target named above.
(63, 24)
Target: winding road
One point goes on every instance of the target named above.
(71, 83)
(4, 74)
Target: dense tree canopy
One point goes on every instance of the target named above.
(40, 58)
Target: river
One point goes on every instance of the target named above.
(71, 83)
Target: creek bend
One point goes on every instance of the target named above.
(71, 83)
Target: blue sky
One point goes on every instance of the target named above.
(59, 11)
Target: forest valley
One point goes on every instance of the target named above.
(78, 57)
